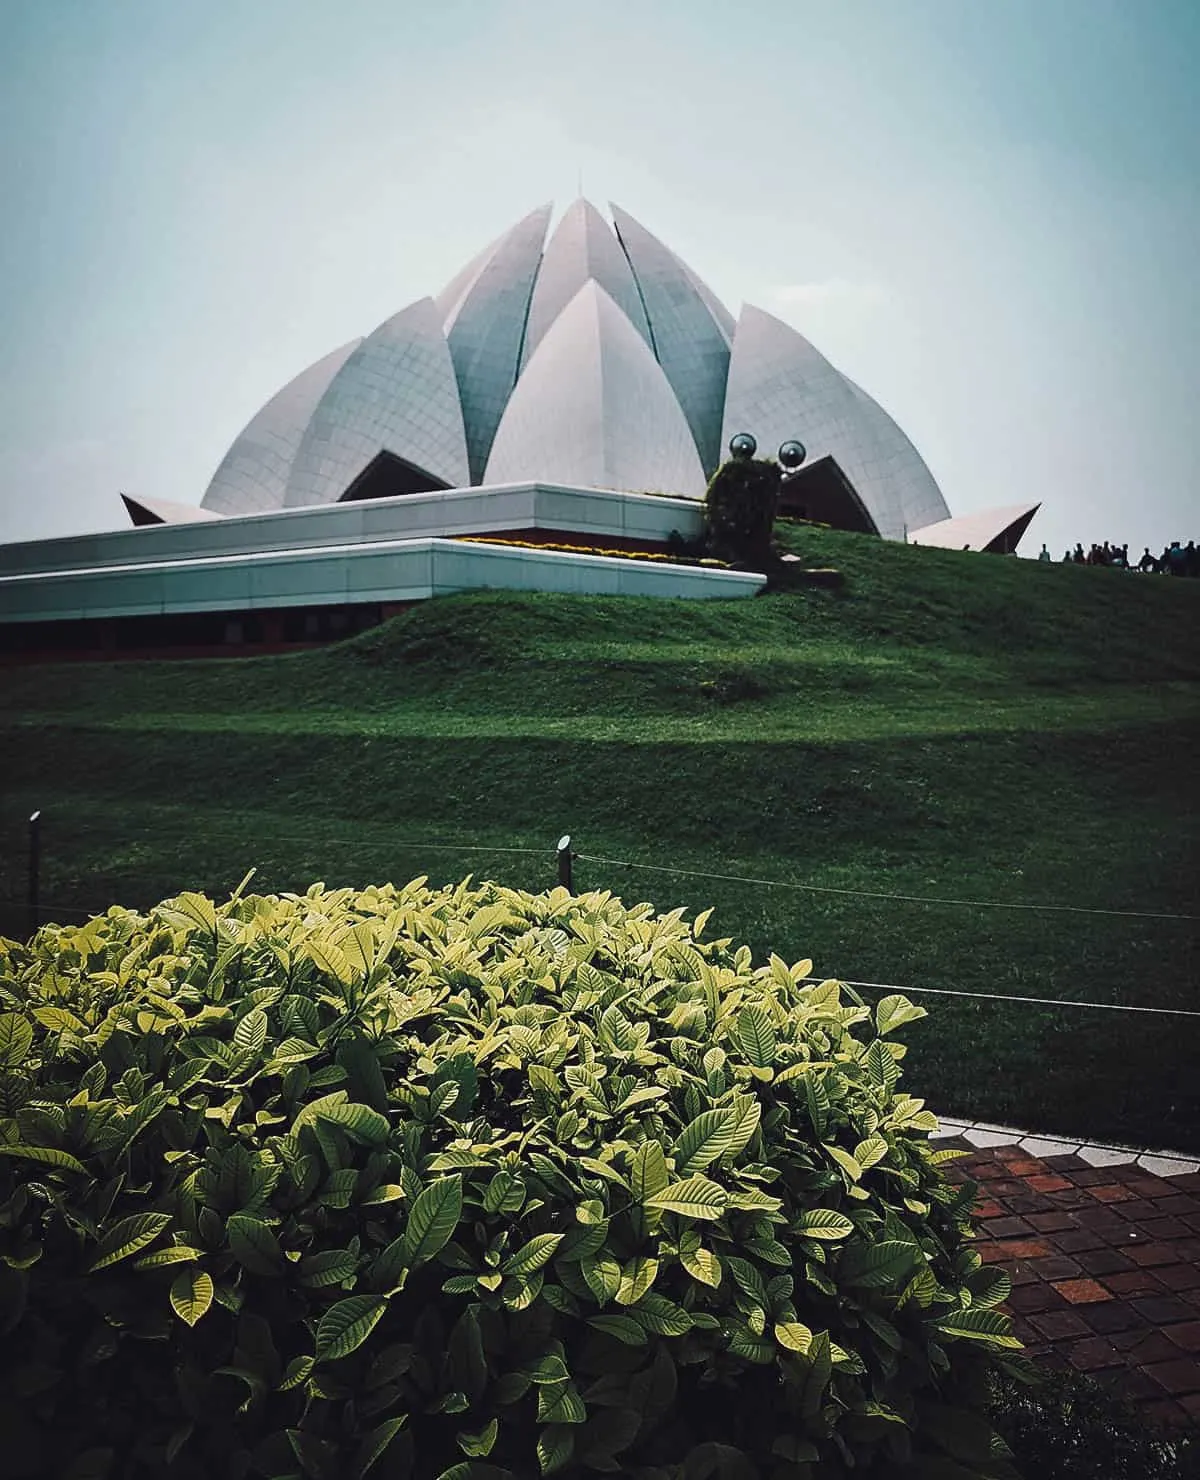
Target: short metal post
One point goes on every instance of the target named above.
(564, 863)
(35, 860)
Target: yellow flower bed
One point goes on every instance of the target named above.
(487, 539)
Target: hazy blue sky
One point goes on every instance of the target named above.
(987, 212)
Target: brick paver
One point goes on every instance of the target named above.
(1105, 1264)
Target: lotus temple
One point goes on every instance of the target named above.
(561, 404)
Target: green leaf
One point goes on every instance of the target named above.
(251, 1033)
(375, 1442)
(823, 1223)
(253, 1244)
(548, 1368)
(989, 1286)
(433, 1219)
(591, 1213)
(330, 1267)
(793, 1335)
(191, 1295)
(636, 1278)
(602, 1274)
(747, 1113)
(870, 1151)
(756, 1036)
(702, 1265)
(49, 1156)
(16, 1036)
(882, 1065)
(57, 1019)
(648, 1171)
(559, 1402)
(847, 1162)
(624, 1328)
(299, 1370)
(555, 1446)
(505, 1194)
(703, 1140)
(748, 1344)
(176, 1254)
(694, 1197)
(345, 1326)
(893, 1012)
(128, 1236)
(362, 1124)
(532, 1256)
(390, 1192)
(988, 1326)
(875, 1266)
(661, 1316)
(480, 1444)
(195, 908)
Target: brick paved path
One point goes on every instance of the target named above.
(1105, 1265)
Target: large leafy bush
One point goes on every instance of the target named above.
(469, 1183)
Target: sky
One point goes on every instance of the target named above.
(985, 212)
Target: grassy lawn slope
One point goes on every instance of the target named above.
(947, 725)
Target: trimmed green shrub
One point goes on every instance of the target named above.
(469, 1183)
(739, 509)
(1067, 1427)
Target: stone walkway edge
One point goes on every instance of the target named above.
(984, 1136)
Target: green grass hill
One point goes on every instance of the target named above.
(946, 725)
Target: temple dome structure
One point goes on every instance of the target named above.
(598, 358)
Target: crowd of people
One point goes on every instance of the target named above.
(1175, 560)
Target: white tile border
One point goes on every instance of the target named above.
(983, 1135)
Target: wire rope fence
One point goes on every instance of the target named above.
(1140, 1017)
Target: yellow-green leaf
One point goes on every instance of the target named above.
(176, 1254)
(648, 1171)
(703, 1140)
(894, 1011)
(847, 1162)
(636, 1278)
(49, 1156)
(694, 1197)
(824, 1223)
(127, 1237)
(702, 1265)
(16, 1036)
(870, 1151)
(756, 1036)
(191, 1295)
(793, 1335)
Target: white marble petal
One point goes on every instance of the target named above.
(691, 345)
(396, 393)
(253, 474)
(974, 531)
(486, 328)
(582, 246)
(781, 387)
(594, 408)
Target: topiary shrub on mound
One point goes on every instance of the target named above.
(739, 509)
(463, 1184)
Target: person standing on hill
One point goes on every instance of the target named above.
(1147, 564)
(1045, 554)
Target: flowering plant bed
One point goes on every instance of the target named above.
(660, 556)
